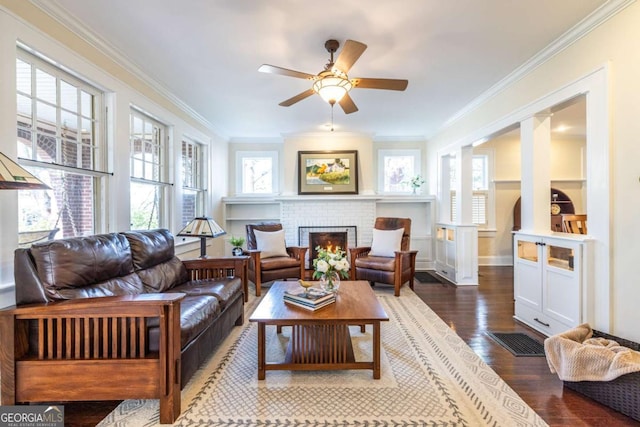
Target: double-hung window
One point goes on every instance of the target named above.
(256, 172)
(59, 140)
(149, 169)
(193, 179)
(480, 185)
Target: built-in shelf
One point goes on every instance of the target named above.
(240, 211)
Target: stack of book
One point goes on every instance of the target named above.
(311, 300)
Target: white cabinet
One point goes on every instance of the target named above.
(549, 280)
(457, 253)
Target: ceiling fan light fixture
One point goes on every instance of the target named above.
(332, 88)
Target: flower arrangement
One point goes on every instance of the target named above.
(416, 182)
(329, 263)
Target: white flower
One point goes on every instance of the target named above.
(322, 266)
(342, 265)
(333, 262)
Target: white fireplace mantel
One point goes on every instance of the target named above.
(294, 211)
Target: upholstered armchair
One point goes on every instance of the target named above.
(270, 258)
(388, 259)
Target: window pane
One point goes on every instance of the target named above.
(480, 173)
(190, 204)
(47, 147)
(86, 104)
(23, 77)
(257, 175)
(145, 206)
(46, 87)
(398, 171)
(68, 96)
(68, 207)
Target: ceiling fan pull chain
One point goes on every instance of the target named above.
(332, 104)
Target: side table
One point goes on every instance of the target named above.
(227, 266)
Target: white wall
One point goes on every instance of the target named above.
(614, 45)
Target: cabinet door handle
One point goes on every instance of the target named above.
(541, 322)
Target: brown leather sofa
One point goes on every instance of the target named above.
(114, 316)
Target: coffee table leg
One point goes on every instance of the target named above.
(261, 350)
(376, 350)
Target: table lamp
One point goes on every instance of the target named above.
(203, 228)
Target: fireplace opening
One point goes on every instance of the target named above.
(329, 240)
(343, 236)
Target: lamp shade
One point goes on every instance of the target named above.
(15, 177)
(202, 227)
(332, 87)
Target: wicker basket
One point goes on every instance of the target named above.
(621, 394)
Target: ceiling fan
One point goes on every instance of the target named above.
(333, 84)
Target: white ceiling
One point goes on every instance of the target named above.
(207, 53)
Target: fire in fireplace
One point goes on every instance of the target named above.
(329, 240)
(345, 236)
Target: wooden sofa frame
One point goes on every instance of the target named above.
(96, 349)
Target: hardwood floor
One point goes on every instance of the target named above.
(471, 311)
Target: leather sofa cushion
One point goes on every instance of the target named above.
(150, 247)
(164, 276)
(376, 263)
(225, 290)
(126, 285)
(196, 314)
(277, 263)
(69, 264)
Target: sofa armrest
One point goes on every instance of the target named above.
(88, 347)
(220, 267)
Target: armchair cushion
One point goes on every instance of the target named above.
(385, 243)
(376, 263)
(278, 263)
(270, 243)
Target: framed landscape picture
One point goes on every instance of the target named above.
(328, 172)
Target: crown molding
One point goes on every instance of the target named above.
(578, 31)
(56, 12)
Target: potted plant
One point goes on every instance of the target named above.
(237, 243)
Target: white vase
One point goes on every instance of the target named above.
(330, 282)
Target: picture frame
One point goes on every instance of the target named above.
(328, 172)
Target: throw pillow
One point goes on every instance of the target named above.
(270, 243)
(386, 242)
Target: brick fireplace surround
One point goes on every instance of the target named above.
(334, 212)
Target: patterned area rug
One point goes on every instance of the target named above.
(430, 377)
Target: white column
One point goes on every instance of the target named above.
(535, 137)
(464, 190)
(445, 189)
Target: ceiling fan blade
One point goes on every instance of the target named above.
(347, 104)
(266, 68)
(349, 55)
(388, 84)
(299, 97)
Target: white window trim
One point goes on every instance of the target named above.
(275, 184)
(417, 162)
(490, 191)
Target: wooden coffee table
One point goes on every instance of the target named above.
(320, 339)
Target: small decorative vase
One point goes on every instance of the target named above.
(330, 282)
(237, 251)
